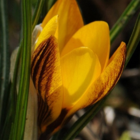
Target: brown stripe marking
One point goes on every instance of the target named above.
(42, 70)
(42, 65)
(50, 129)
(115, 81)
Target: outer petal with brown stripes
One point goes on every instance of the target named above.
(96, 90)
(99, 88)
(46, 75)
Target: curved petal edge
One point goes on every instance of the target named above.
(104, 83)
(68, 12)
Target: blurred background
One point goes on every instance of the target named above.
(120, 117)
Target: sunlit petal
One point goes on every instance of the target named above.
(49, 30)
(80, 67)
(104, 83)
(95, 36)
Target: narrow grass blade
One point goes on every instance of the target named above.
(4, 63)
(134, 40)
(37, 12)
(17, 132)
(124, 19)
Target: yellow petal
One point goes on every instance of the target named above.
(70, 19)
(46, 75)
(48, 30)
(79, 68)
(104, 83)
(95, 36)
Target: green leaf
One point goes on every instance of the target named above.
(125, 136)
(50, 3)
(37, 12)
(134, 40)
(83, 120)
(18, 127)
(124, 19)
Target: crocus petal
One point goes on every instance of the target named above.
(70, 19)
(79, 68)
(95, 36)
(49, 30)
(104, 83)
(46, 75)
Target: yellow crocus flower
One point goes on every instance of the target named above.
(70, 65)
